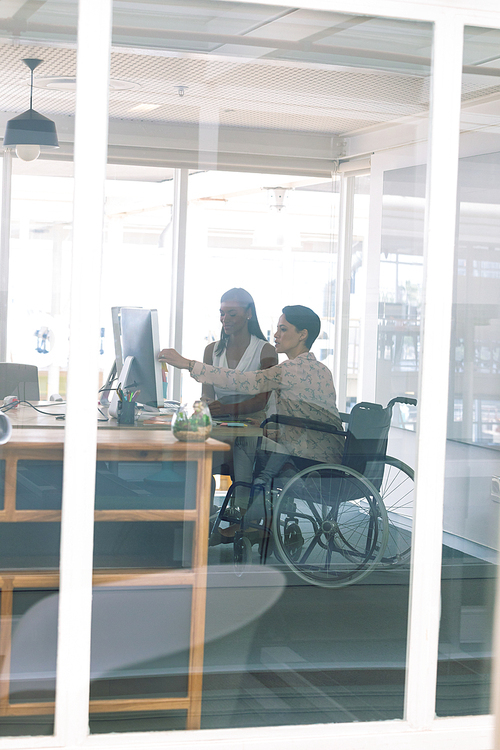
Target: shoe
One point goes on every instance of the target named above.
(233, 515)
(216, 538)
(255, 536)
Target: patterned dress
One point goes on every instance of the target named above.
(303, 388)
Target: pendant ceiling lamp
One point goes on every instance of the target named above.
(30, 131)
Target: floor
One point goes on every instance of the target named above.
(280, 651)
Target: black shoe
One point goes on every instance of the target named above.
(216, 538)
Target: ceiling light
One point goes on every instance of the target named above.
(277, 198)
(68, 83)
(30, 131)
(144, 107)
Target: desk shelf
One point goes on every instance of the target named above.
(115, 447)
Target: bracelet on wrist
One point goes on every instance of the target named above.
(191, 364)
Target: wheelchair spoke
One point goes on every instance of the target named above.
(328, 558)
(329, 526)
(405, 495)
(309, 549)
(397, 492)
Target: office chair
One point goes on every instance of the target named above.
(19, 380)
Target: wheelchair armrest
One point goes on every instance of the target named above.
(309, 424)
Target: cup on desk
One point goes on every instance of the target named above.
(5, 428)
(126, 412)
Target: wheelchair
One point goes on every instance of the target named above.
(331, 524)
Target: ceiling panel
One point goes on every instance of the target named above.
(271, 68)
(247, 94)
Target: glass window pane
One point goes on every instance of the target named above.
(34, 330)
(401, 279)
(230, 144)
(473, 460)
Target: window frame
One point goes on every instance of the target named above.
(73, 668)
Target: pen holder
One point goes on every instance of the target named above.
(126, 412)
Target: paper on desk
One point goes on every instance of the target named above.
(159, 419)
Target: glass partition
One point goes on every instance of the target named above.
(290, 231)
(227, 142)
(473, 458)
(35, 261)
(401, 284)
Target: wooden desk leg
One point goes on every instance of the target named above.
(7, 592)
(10, 489)
(199, 595)
(5, 642)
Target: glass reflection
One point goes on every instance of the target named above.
(473, 462)
(258, 101)
(35, 256)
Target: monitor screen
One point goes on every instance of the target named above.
(140, 340)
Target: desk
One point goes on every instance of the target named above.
(28, 418)
(42, 447)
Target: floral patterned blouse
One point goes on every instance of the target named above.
(303, 388)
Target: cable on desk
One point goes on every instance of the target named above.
(28, 403)
(61, 415)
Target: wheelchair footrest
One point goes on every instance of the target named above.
(232, 515)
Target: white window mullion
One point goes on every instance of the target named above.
(343, 288)
(371, 286)
(77, 524)
(5, 249)
(433, 393)
(179, 223)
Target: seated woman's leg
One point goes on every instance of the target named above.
(244, 452)
(260, 470)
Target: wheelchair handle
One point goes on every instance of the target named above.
(401, 400)
(309, 424)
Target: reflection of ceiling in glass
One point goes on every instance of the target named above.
(273, 32)
(481, 80)
(240, 93)
(43, 20)
(239, 65)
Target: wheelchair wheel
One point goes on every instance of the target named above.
(397, 492)
(330, 525)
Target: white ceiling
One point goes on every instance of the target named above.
(245, 68)
(228, 92)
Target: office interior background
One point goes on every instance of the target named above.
(315, 154)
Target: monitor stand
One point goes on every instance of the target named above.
(108, 386)
(122, 381)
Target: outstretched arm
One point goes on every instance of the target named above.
(260, 381)
(171, 357)
(268, 358)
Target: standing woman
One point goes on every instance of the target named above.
(242, 346)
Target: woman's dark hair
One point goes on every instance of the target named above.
(303, 318)
(245, 300)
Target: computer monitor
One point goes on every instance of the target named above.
(140, 346)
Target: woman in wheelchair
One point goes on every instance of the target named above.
(349, 510)
(302, 387)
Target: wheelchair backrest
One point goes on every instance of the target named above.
(366, 441)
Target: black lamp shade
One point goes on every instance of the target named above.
(31, 128)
